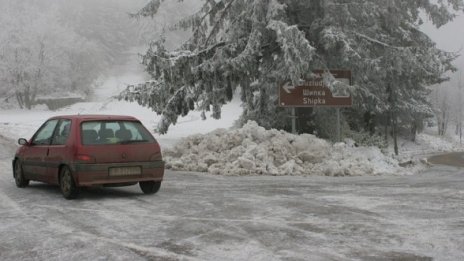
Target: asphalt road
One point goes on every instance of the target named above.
(455, 159)
(203, 217)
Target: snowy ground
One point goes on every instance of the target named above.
(252, 153)
(204, 217)
(241, 152)
(17, 123)
(210, 217)
(237, 151)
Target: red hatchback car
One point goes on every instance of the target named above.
(90, 150)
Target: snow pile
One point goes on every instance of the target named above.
(425, 145)
(252, 150)
(437, 143)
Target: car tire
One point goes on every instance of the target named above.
(67, 185)
(20, 180)
(150, 187)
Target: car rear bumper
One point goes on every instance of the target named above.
(99, 174)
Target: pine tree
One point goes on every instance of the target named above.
(258, 44)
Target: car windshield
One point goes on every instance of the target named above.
(114, 132)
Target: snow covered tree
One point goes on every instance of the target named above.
(51, 47)
(257, 44)
(40, 56)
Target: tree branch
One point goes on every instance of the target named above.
(370, 39)
(224, 12)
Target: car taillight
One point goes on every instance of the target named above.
(156, 156)
(85, 158)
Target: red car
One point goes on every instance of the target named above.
(90, 150)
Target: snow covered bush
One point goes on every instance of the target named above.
(253, 150)
(364, 138)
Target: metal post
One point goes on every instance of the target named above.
(338, 125)
(293, 121)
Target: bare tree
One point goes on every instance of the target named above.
(459, 108)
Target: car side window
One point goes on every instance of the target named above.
(44, 134)
(62, 133)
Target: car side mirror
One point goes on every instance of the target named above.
(23, 141)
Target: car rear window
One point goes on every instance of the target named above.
(114, 132)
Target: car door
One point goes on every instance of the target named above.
(34, 165)
(59, 151)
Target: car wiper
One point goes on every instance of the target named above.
(132, 141)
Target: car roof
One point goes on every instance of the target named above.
(92, 117)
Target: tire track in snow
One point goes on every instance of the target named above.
(6, 202)
(261, 220)
(59, 227)
(7, 151)
(143, 251)
(158, 252)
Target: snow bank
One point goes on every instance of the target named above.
(437, 143)
(252, 150)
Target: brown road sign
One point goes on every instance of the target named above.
(313, 92)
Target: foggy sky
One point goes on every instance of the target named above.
(449, 37)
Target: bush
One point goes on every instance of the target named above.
(366, 139)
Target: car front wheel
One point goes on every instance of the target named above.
(20, 180)
(150, 187)
(67, 185)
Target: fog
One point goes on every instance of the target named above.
(449, 37)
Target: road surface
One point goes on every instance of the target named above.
(455, 159)
(203, 217)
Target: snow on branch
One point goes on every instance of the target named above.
(376, 41)
(219, 21)
(297, 50)
(169, 115)
(175, 55)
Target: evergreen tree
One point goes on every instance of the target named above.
(258, 44)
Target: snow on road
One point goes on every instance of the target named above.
(205, 217)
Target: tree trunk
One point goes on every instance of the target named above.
(413, 131)
(19, 98)
(387, 123)
(459, 132)
(443, 124)
(395, 134)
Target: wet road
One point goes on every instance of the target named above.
(204, 217)
(450, 159)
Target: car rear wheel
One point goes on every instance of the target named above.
(67, 185)
(150, 187)
(20, 180)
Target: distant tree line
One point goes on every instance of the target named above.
(53, 48)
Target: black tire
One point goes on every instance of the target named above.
(67, 185)
(20, 180)
(150, 187)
